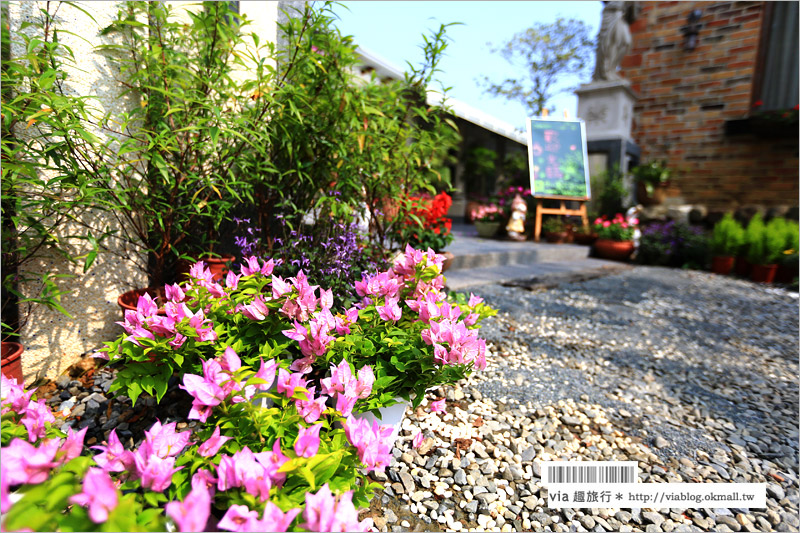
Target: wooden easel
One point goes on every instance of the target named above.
(581, 211)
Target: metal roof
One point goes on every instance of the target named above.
(385, 69)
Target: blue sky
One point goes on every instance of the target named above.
(393, 30)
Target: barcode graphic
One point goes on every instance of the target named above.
(594, 472)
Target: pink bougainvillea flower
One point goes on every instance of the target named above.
(192, 513)
(326, 299)
(311, 410)
(72, 445)
(13, 394)
(307, 443)
(255, 310)
(230, 360)
(114, 457)
(364, 383)
(272, 461)
(25, 463)
(239, 518)
(275, 520)
(416, 442)
(145, 306)
(390, 312)
(37, 414)
(206, 394)
(437, 406)
(155, 473)
(345, 403)
(340, 380)
(266, 372)
(279, 287)
(174, 292)
(474, 300)
(204, 479)
(325, 512)
(164, 441)
(251, 266)
(288, 383)
(211, 446)
(99, 493)
(373, 443)
(232, 280)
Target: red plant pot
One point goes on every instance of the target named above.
(743, 267)
(616, 250)
(12, 360)
(763, 273)
(128, 300)
(448, 260)
(584, 238)
(558, 237)
(722, 264)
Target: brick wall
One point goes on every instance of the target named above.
(686, 97)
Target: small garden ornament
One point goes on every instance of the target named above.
(516, 224)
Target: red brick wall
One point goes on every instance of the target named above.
(685, 98)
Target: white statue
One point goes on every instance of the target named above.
(516, 224)
(613, 39)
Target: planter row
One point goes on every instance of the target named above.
(740, 266)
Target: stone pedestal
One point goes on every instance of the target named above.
(607, 109)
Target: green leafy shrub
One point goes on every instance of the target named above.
(755, 240)
(727, 237)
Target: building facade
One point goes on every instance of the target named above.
(717, 87)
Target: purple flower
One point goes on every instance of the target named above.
(99, 493)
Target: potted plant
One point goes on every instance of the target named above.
(555, 230)
(428, 226)
(788, 264)
(584, 235)
(726, 240)
(765, 249)
(488, 219)
(651, 179)
(173, 196)
(753, 237)
(614, 237)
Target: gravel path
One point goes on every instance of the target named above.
(691, 374)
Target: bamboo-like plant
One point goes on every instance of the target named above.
(727, 237)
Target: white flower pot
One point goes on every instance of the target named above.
(392, 415)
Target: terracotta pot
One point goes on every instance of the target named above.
(616, 250)
(12, 360)
(558, 237)
(487, 230)
(448, 260)
(584, 238)
(128, 300)
(217, 265)
(763, 273)
(743, 267)
(722, 264)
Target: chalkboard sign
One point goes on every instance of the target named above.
(557, 158)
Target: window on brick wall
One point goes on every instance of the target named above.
(775, 84)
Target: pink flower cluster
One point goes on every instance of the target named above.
(325, 512)
(153, 463)
(146, 323)
(34, 414)
(26, 463)
(210, 389)
(373, 443)
(348, 388)
(453, 343)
